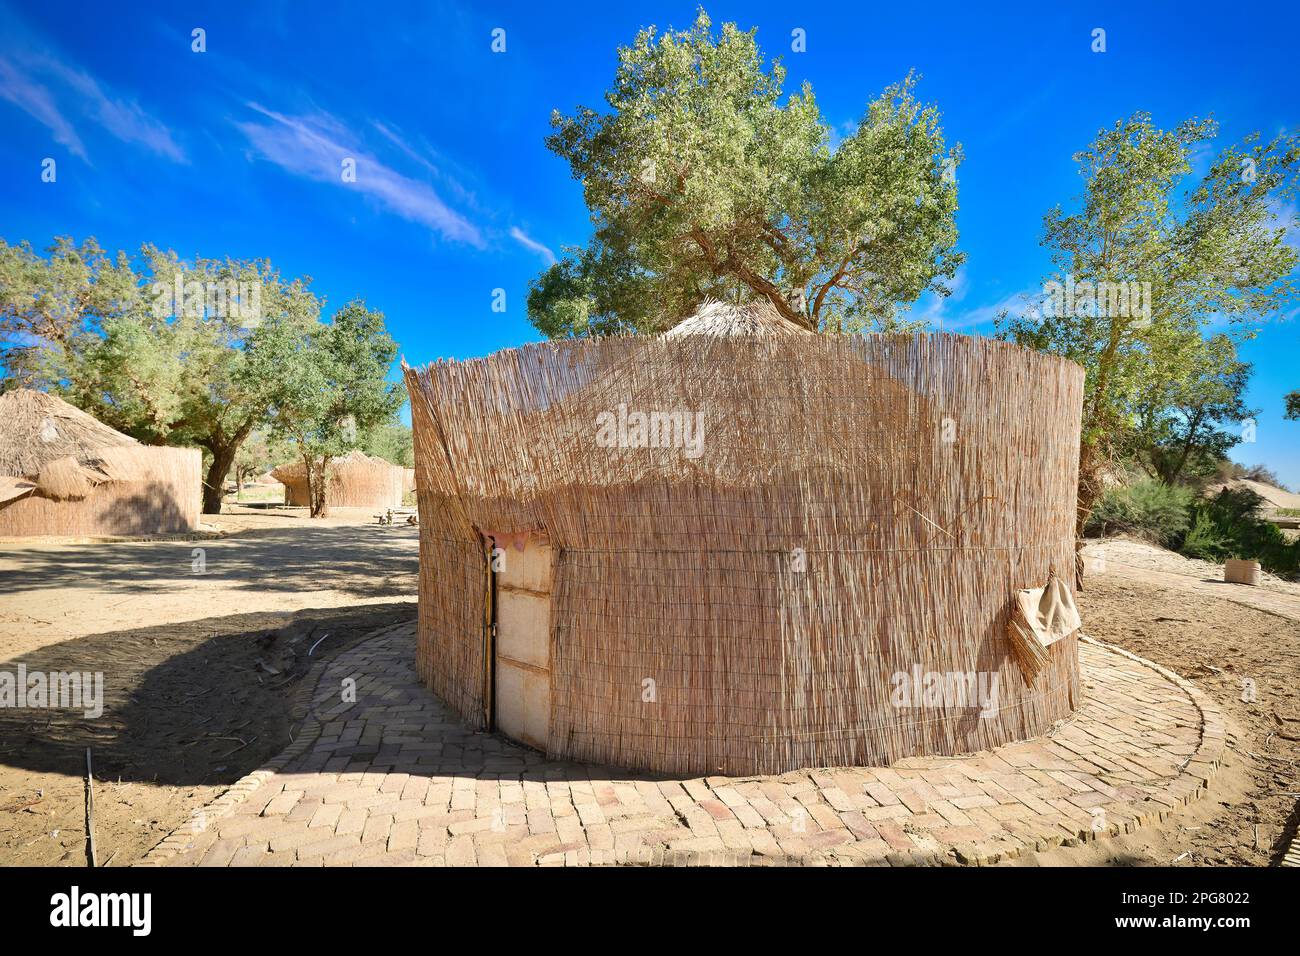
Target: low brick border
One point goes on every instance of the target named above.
(1193, 776)
(178, 841)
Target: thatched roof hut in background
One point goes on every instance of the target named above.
(62, 472)
(776, 590)
(355, 480)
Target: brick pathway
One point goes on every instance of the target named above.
(395, 779)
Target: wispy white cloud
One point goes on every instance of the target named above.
(951, 314)
(528, 242)
(50, 91)
(315, 146)
(37, 101)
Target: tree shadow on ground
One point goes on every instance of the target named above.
(366, 561)
(202, 702)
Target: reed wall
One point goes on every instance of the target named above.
(352, 482)
(858, 508)
(152, 490)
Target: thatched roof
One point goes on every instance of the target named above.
(297, 471)
(727, 319)
(38, 429)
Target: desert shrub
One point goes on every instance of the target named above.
(1205, 540)
(1229, 526)
(1147, 508)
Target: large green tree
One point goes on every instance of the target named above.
(701, 182)
(329, 386)
(157, 347)
(1201, 251)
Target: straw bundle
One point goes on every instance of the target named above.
(1040, 618)
(858, 510)
(62, 479)
(64, 473)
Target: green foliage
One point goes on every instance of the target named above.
(701, 182)
(111, 336)
(1293, 405)
(1148, 508)
(49, 305)
(391, 442)
(328, 385)
(1189, 407)
(1211, 250)
(1205, 539)
(1228, 526)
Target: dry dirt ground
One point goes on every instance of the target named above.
(200, 669)
(199, 666)
(1169, 610)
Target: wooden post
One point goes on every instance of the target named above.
(90, 812)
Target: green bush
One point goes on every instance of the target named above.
(1205, 540)
(1148, 508)
(1228, 526)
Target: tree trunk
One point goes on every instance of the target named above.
(318, 505)
(223, 456)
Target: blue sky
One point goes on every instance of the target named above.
(234, 151)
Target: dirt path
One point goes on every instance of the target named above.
(1241, 646)
(267, 563)
(199, 661)
(1272, 602)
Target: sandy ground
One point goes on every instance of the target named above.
(200, 669)
(1179, 614)
(199, 666)
(1132, 553)
(277, 561)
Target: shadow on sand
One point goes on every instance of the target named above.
(202, 702)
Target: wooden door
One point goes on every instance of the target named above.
(522, 686)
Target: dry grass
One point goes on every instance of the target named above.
(37, 428)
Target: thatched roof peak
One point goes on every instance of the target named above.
(37, 428)
(728, 319)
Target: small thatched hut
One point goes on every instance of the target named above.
(62, 472)
(355, 480)
(743, 548)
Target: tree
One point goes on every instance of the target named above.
(50, 305)
(329, 385)
(178, 371)
(392, 442)
(700, 182)
(1293, 405)
(258, 454)
(159, 350)
(1184, 407)
(1153, 264)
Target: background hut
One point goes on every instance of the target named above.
(853, 525)
(62, 472)
(355, 480)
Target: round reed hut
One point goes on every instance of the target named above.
(741, 548)
(355, 481)
(62, 472)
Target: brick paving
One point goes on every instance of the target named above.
(395, 779)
